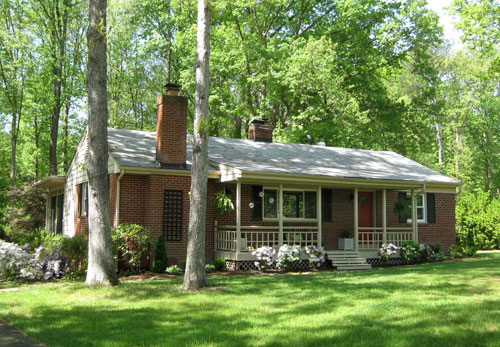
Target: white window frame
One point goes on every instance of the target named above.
(300, 219)
(423, 207)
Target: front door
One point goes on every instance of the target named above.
(365, 216)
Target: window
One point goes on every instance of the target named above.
(56, 213)
(270, 203)
(172, 215)
(83, 200)
(297, 204)
(421, 208)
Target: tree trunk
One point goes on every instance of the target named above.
(439, 142)
(101, 269)
(195, 276)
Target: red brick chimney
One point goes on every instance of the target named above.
(260, 130)
(171, 128)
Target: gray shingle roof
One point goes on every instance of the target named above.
(134, 148)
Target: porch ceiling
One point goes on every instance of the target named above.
(51, 183)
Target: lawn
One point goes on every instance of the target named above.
(440, 304)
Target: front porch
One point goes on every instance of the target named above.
(237, 241)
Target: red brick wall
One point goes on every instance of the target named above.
(171, 129)
(81, 223)
(141, 202)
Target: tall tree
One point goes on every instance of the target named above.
(101, 269)
(14, 55)
(195, 276)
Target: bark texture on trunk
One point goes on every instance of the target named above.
(101, 269)
(195, 276)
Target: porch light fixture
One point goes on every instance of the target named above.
(251, 205)
(271, 200)
(261, 194)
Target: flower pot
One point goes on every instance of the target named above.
(346, 244)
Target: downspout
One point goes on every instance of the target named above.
(117, 209)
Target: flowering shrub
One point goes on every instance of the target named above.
(386, 251)
(410, 251)
(265, 257)
(17, 263)
(209, 268)
(317, 255)
(287, 256)
(131, 244)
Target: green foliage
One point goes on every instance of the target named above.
(27, 216)
(130, 245)
(219, 264)
(222, 202)
(209, 268)
(182, 264)
(160, 262)
(345, 234)
(409, 251)
(51, 243)
(478, 221)
(76, 249)
(174, 270)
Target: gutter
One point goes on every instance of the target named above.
(117, 200)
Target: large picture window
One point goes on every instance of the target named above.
(297, 204)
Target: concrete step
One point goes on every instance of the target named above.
(349, 261)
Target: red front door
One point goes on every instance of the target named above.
(365, 215)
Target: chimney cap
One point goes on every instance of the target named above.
(260, 121)
(172, 86)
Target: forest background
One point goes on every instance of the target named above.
(359, 74)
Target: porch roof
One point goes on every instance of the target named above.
(51, 183)
(132, 148)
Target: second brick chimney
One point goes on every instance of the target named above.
(171, 128)
(260, 130)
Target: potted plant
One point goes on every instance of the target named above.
(346, 242)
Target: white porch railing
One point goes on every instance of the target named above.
(253, 237)
(374, 238)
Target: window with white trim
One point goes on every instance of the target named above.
(421, 208)
(297, 204)
(83, 200)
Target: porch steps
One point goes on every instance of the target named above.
(346, 260)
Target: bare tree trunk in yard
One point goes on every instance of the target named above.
(195, 276)
(101, 269)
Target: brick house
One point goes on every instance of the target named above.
(282, 193)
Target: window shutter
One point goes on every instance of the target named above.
(257, 203)
(326, 205)
(431, 208)
(403, 217)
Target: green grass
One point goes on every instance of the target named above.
(440, 304)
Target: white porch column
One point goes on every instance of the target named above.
(280, 216)
(414, 215)
(384, 215)
(356, 237)
(238, 217)
(318, 214)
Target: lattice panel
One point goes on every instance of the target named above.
(172, 215)
(391, 261)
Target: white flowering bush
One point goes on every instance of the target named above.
(287, 256)
(317, 255)
(17, 263)
(265, 257)
(386, 251)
